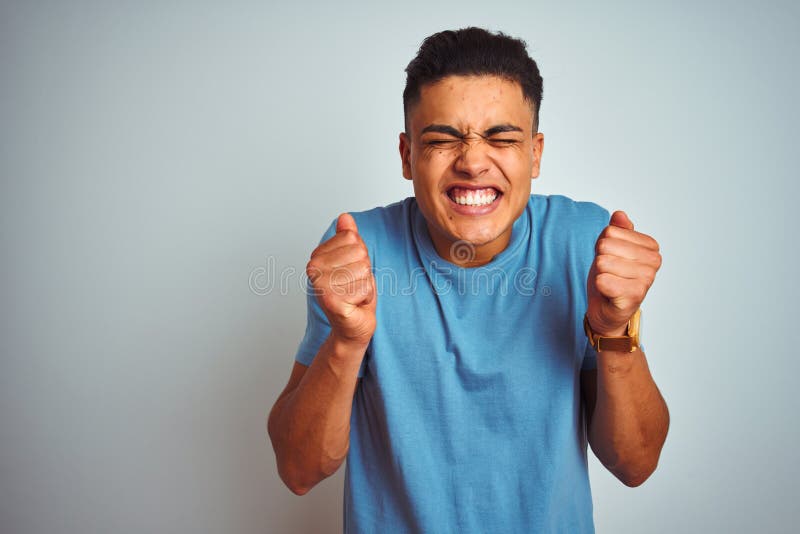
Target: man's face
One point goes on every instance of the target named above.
(471, 152)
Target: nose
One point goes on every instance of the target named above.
(473, 157)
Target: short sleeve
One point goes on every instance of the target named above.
(317, 326)
(317, 330)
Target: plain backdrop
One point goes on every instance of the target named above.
(160, 159)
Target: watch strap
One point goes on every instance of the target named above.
(615, 344)
(628, 343)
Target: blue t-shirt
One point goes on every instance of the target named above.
(468, 415)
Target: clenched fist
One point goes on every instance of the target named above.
(623, 270)
(341, 274)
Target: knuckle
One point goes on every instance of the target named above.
(642, 292)
(609, 231)
(319, 248)
(652, 259)
(312, 270)
(602, 280)
(361, 252)
(604, 262)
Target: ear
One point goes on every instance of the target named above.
(405, 155)
(538, 148)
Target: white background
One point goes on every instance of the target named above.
(154, 155)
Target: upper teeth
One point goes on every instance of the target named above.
(473, 197)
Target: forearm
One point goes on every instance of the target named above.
(310, 427)
(630, 419)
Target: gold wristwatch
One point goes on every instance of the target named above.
(628, 343)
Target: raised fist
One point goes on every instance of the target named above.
(623, 270)
(341, 274)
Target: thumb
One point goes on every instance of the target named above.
(620, 218)
(346, 222)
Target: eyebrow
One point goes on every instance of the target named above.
(449, 130)
(441, 128)
(501, 128)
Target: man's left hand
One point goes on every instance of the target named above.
(623, 270)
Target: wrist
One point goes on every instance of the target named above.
(623, 338)
(343, 356)
(347, 348)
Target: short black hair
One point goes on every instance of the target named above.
(473, 52)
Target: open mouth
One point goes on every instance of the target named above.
(473, 196)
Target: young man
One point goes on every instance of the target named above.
(450, 349)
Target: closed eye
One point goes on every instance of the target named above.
(443, 143)
(503, 141)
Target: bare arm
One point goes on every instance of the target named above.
(626, 416)
(309, 425)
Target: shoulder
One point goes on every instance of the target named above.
(564, 209)
(376, 222)
(563, 216)
(567, 224)
(385, 228)
(384, 221)
(387, 231)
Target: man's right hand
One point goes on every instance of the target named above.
(341, 274)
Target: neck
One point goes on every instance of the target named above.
(465, 254)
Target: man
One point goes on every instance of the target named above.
(450, 349)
